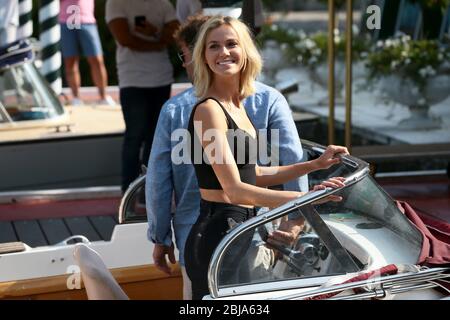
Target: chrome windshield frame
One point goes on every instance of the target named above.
(361, 171)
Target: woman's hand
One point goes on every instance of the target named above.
(335, 182)
(331, 156)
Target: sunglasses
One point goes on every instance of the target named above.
(180, 55)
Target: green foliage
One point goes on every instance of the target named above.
(417, 60)
(312, 50)
(278, 34)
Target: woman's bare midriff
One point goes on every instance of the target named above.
(218, 196)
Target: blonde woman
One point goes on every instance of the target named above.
(226, 64)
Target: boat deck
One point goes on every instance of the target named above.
(42, 223)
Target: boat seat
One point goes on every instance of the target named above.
(97, 279)
(10, 247)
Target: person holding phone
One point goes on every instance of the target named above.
(143, 29)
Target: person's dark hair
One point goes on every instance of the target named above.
(187, 33)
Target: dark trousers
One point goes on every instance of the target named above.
(209, 229)
(140, 108)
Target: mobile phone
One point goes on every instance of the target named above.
(139, 21)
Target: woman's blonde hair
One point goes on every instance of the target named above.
(252, 59)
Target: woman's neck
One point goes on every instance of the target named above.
(226, 89)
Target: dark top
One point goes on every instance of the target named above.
(243, 146)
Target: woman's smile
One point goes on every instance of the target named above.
(223, 53)
(225, 62)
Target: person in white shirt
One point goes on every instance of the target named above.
(143, 29)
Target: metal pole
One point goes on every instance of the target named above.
(50, 36)
(348, 75)
(331, 23)
(25, 19)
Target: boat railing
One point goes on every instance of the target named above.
(128, 197)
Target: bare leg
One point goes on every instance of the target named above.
(73, 75)
(98, 74)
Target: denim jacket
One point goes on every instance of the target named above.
(267, 109)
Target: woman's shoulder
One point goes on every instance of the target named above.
(209, 109)
(208, 105)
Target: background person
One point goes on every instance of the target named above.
(267, 108)
(142, 29)
(82, 37)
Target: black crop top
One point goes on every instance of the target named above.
(245, 154)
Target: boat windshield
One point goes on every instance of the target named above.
(24, 95)
(314, 239)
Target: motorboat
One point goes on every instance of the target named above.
(46, 144)
(366, 246)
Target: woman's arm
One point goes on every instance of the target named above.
(213, 138)
(270, 176)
